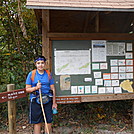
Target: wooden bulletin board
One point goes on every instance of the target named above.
(84, 68)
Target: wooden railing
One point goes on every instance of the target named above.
(10, 96)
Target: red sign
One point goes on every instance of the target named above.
(12, 95)
(68, 100)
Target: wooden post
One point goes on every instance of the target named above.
(11, 112)
(133, 117)
(45, 39)
(97, 23)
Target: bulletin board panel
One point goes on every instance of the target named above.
(92, 70)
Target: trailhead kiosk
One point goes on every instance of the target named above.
(89, 48)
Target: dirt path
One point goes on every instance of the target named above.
(73, 130)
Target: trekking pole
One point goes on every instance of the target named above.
(43, 110)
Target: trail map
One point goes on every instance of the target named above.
(72, 62)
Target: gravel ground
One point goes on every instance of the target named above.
(72, 130)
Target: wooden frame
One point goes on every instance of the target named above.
(90, 36)
(47, 37)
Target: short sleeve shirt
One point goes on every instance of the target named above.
(45, 81)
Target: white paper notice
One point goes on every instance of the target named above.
(98, 81)
(98, 50)
(80, 89)
(87, 89)
(107, 83)
(87, 79)
(101, 90)
(122, 69)
(129, 75)
(117, 90)
(114, 62)
(115, 82)
(115, 48)
(122, 75)
(95, 66)
(129, 55)
(114, 76)
(72, 62)
(109, 90)
(94, 89)
(129, 68)
(121, 62)
(106, 76)
(129, 62)
(129, 47)
(74, 90)
(114, 69)
(103, 65)
(97, 74)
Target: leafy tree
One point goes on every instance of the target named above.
(19, 42)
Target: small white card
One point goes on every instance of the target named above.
(129, 46)
(129, 55)
(103, 65)
(129, 62)
(87, 79)
(122, 69)
(114, 62)
(101, 90)
(129, 68)
(115, 82)
(97, 74)
(109, 90)
(74, 90)
(87, 89)
(121, 62)
(95, 66)
(117, 90)
(129, 75)
(122, 76)
(107, 83)
(98, 81)
(114, 69)
(94, 89)
(80, 89)
(106, 76)
(114, 76)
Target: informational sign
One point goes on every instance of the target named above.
(98, 51)
(116, 48)
(65, 82)
(68, 100)
(11, 95)
(72, 62)
(92, 68)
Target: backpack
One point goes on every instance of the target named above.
(34, 72)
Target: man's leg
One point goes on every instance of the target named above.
(37, 128)
(49, 125)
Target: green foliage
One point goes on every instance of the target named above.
(115, 113)
(16, 51)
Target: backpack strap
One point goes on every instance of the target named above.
(49, 74)
(34, 72)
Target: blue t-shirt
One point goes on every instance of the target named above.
(45, 81)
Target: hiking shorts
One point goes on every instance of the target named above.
(36, 114)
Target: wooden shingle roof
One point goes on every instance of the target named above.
(91, 5)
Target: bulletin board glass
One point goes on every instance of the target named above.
(88, 67)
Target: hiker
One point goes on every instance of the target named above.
(41, 80)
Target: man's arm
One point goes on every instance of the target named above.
(54, 96)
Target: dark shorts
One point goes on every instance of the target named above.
(36, 115)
